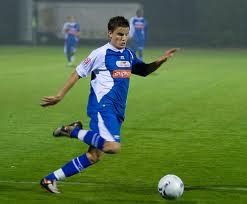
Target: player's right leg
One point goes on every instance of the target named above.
(66, 50)
(140, 55)
(104, 134)
(69, 51)
(89, 137)
(65, 130)
(73, 51)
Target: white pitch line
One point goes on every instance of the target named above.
(239, 189)
(229, 188)
(216, 188)
(35, 182)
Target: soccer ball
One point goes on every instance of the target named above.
(170, 187)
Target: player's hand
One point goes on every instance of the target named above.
(50, 100)
(168, 54)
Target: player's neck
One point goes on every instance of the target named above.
(114, 48)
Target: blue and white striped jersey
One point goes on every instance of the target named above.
(110, 69)
(138, 28)
(70, 29)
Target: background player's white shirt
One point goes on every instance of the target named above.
(132, 29)
(70, 28)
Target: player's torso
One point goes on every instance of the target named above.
(139, 26)
(110, 82)
(72, 28)
(119, 64)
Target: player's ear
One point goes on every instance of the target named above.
(110, 34)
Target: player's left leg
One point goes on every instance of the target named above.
(71, 168)
(73, 51)
(67, 50)
(69, 55)
(73, 44)
(140, 54)
(140, 50)
(70, 51)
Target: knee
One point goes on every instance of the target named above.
(93, 157)
(112, 147)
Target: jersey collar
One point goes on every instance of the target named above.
(114, 48)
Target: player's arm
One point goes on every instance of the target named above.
(77, 33)
(65, 28)
(143, 69)
(78, 30)
(52, 100)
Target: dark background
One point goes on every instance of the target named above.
(213, 23)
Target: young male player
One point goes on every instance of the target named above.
(138, 33)
(110, 67)
(71, 31)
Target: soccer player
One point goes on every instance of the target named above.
(138, 33)
(110, 67)
(71, 31)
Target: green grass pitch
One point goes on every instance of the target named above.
(189, 119)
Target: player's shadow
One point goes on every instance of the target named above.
(230, 188)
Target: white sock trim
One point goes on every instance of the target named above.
(59, 174)
(82, 134)
(75, 165)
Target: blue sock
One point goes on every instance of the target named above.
(74, 133)
(94, 139)
(91, 138)
(51, 177)
(68, 57)
(73, 167)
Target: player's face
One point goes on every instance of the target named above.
(71, 19)
(119, 37)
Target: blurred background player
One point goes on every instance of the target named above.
(71, 31)
(138, 33)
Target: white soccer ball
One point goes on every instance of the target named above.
(170, 187)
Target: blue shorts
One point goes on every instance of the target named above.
(137, 44)
(70, 45)
(107, 124)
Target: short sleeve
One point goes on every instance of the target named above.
(86, 67)
(65, 26)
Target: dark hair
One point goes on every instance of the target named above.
(117, 21)
(139, 12)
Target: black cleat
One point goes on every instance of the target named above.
(65, 130)
(48, 185)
